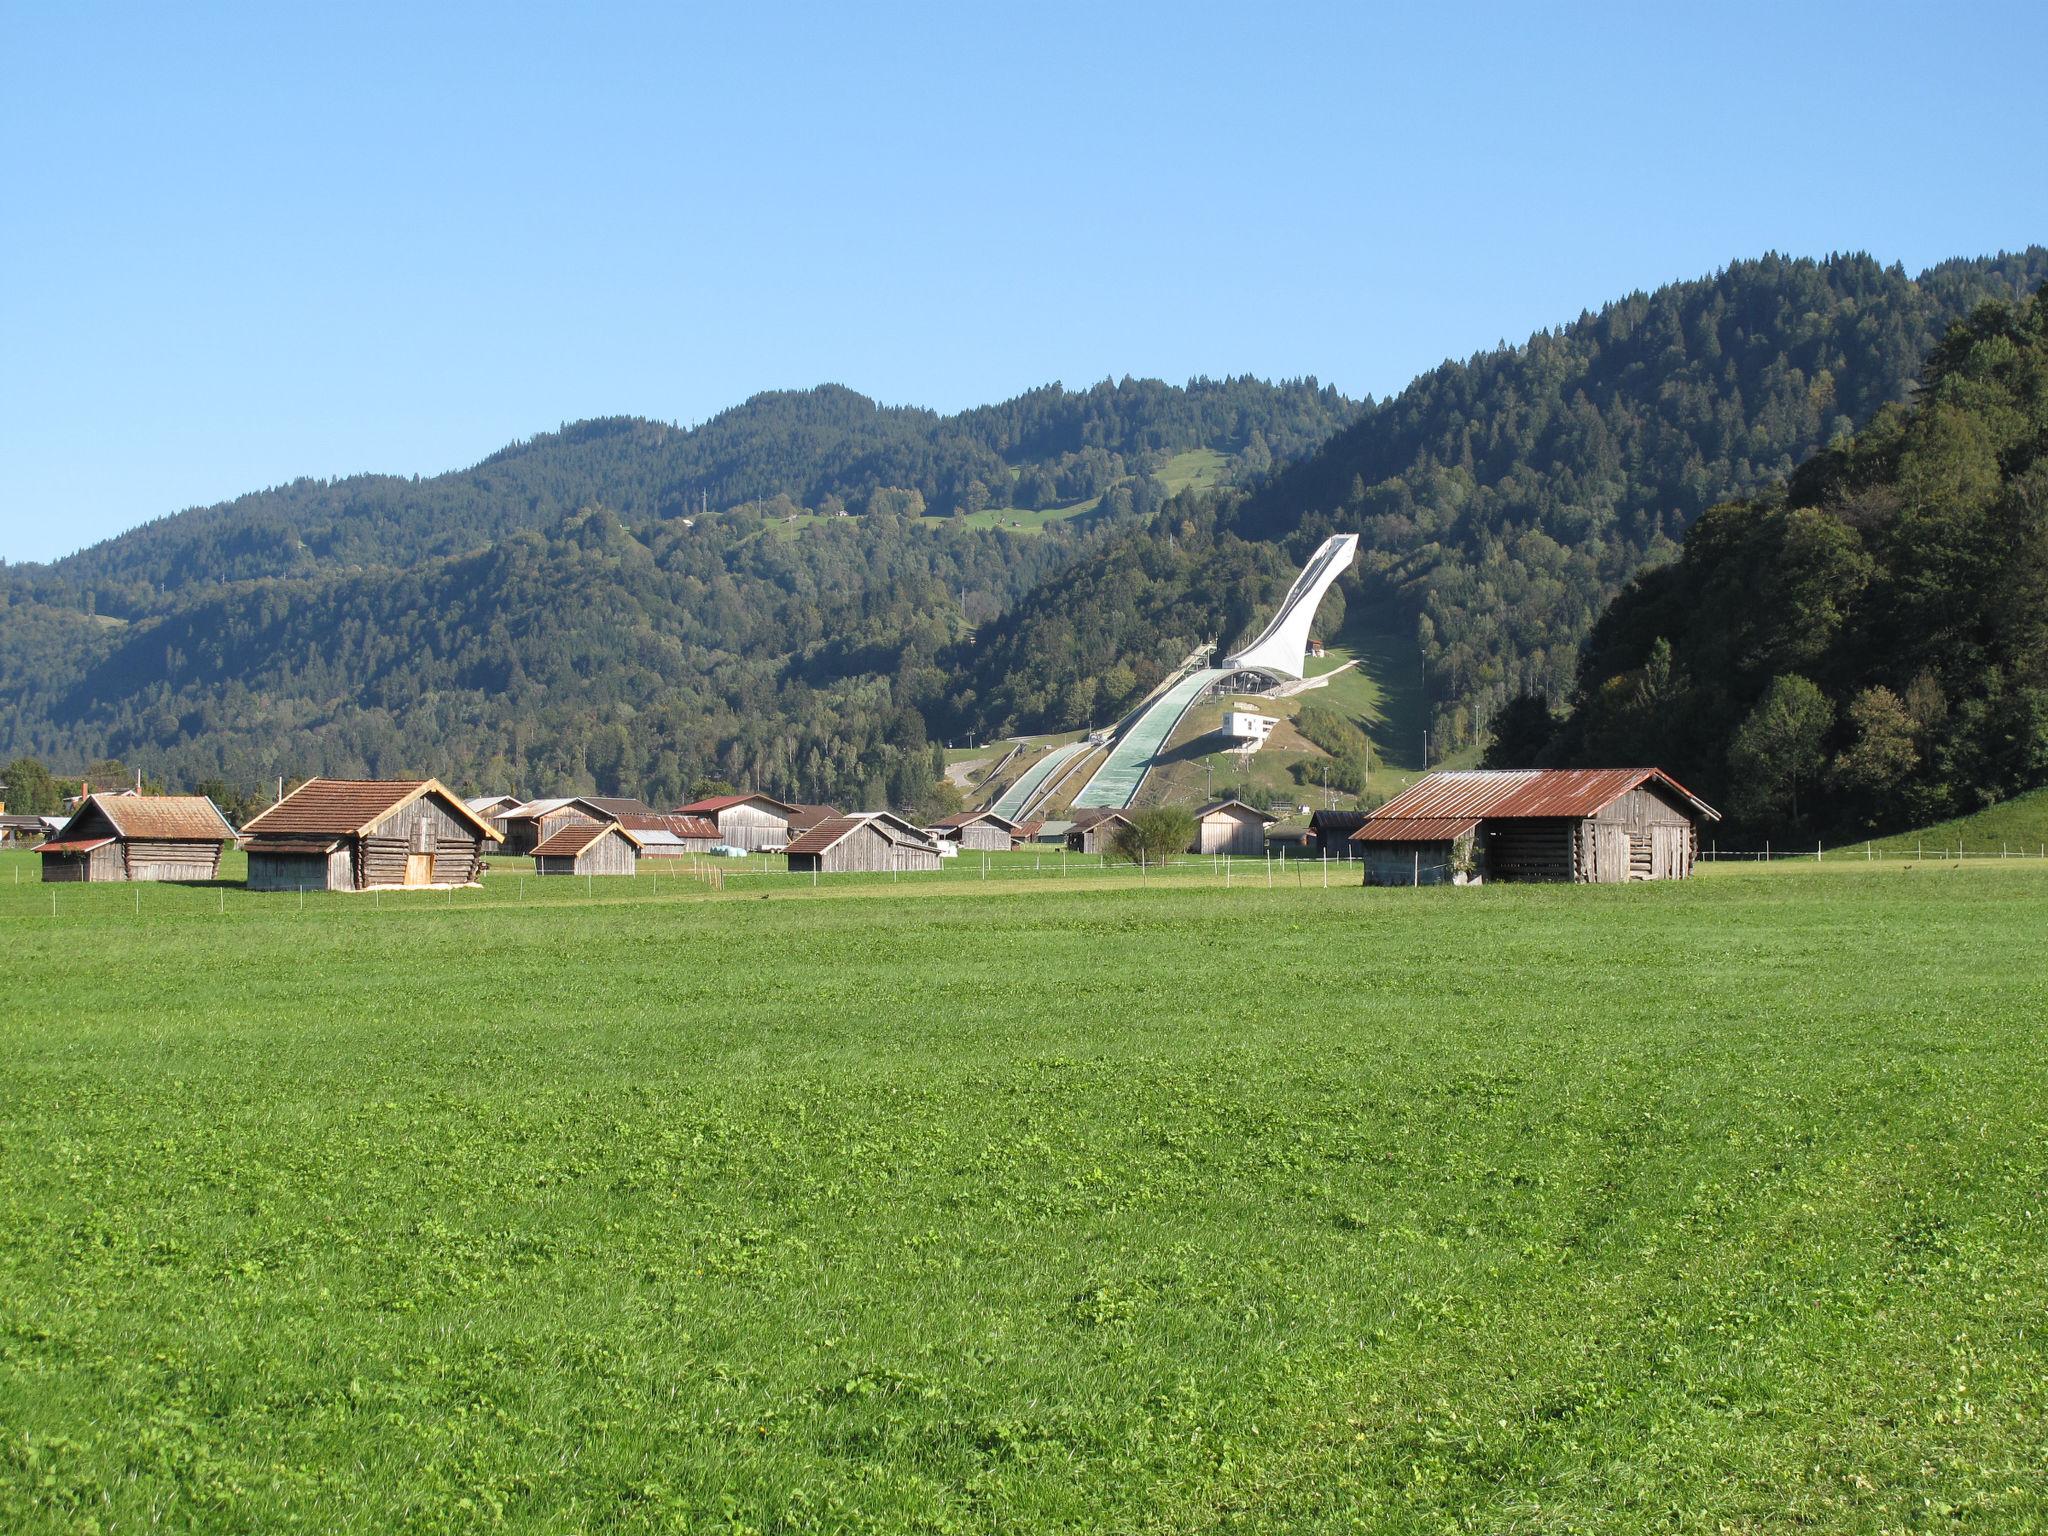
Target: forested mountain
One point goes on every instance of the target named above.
(1865, 648)
(827, 449)
(553, 618)
(1502, 501)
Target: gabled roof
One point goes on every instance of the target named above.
(484, 805)
(1450, 804)
(617, 806)
(717, 803)
(1088, 816)
(1337, 821)
(803, 817)
(1223, 805)
(579, 835)
(168, 818)
(526, 809)
(830, 834)
(968, 818)
(348, 807)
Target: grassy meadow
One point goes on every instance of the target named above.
(1029, 1203)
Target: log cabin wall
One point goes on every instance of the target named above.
(172, 860)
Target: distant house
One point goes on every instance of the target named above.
(138, 837)
(364, 834)
(1600, 826)
(25, 829)
(667, 837)
(754, 822)
(1329, 832)
(491, 807)
(1248, 730)
(872, 841)
(532, 822)
(1315, 647)
(1094, 830)
(1231, 826)
(588, 848)
(983, 830)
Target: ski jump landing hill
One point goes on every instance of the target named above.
(1279, 654)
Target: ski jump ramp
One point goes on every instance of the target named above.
(1280, 652)
(1282, 646)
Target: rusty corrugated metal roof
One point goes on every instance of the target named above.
(577, 836)
(76, 845)
(338, 807)
(679, 826)
(1462, 798)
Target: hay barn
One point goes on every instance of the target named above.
(1329, 833)
(757, 823)
(872, 842)
(1094, 830)
(365, 834)
(1589, 826)
(983, 830)
(587, 848)
(670, 837)
(1231, 826)
(528, 825)
(138, 837)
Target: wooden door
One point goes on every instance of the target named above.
(419, 869)
(1610, 854)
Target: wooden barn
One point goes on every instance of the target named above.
(804, 817)
(1591, 826)
(753, 822)
(982, 830)
(528, 825)
(1231, 826)
(872, 841)
(366, 834)
(1094, 830)
(670, 837)
(588, 848)
(138, 837)
(1329, 833)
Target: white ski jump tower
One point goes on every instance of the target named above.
(1281, 649)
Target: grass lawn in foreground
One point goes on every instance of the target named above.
(1029, 1204)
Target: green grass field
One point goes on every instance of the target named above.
(1104, 1203)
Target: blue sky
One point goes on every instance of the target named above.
(250, 243)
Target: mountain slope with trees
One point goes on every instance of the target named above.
(1864, 648)
(1504, 500)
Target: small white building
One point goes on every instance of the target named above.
(1247, 731)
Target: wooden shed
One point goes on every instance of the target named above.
(670, 837)
(753, 822)
(1329, 833)
(528, 825)
(1231, 826)
(1094, 829)
(138, 837)
(982, 830)
(1600, 826)
(365, 834)
(588, 848)
(872, 841)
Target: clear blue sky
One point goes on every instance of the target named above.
(243, 244)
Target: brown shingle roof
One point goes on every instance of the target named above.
(577, 836)
(170, 818)
(339, 807)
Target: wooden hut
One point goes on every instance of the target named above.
(872, 841)
(1231, 826)
(982, 830)
(364, 834)
(138, 837)
(670, 837)
(1601, 826)
(755, 822)
(1329, 833)
(588, 848)
(532, 823)
(1094, 829)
